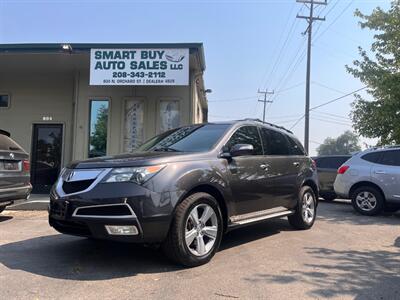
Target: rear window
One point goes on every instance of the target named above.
(7, 144)
(391, 158)
(372, 157)
(295, 147)
(275, 143)
(331, 162)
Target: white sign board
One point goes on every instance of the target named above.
(139, 66)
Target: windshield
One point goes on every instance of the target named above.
(196, 138)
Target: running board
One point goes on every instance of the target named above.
(260, 216)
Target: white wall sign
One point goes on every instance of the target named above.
(139, 66)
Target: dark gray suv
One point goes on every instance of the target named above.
(185, 188)
(14, 171)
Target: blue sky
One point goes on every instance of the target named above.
(243, 42)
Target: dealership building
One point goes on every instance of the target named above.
(64, 102)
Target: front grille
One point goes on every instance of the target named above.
(76, 186)
(105, 210)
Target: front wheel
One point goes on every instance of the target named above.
(195, 232)
(306, 210)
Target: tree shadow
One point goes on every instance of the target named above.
(336, 273)
(343, 212)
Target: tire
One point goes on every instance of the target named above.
(368, 201)
(2, 209)
(190, 251)
(307, 199)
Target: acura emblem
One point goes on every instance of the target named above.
(70, 175)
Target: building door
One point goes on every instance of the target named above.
(46, 156)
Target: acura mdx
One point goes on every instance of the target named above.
(185, 188)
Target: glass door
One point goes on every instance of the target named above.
(46, 156)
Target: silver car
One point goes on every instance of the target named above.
(371, 179)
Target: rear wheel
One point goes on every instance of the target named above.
(368, 201)
(195, 232)
(306, 209)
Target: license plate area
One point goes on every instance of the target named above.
(10, 165)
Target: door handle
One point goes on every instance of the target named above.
(264, 166)
(296, 164)
(380, 172)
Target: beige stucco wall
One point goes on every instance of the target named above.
(57, 85)
(34, 96)
(151, 96)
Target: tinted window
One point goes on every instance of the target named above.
(195, 138)
(8, 144)
(275, 143)
(295, 147)
(331, 162)
(4, 101)
(391, 158)
(247, 135)
(372, 157)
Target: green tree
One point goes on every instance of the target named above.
(98, 138)
(342, 145)
(379, 118)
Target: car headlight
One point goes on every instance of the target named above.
(137, 175)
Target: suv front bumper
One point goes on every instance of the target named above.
(113, 204)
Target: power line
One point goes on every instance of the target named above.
(339, 98)
(335, 20)
(297, 122)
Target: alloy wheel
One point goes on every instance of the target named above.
(366, 201)
(308, 208)
(201, 229)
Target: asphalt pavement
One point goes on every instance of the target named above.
(344, 256)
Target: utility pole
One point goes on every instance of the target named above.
(265, 101)
(310, 19)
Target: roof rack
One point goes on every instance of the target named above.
(270, 124)
(383, 147)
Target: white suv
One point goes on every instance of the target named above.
(372, 180)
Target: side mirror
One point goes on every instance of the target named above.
(241, 150)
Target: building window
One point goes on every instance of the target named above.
(133, 124)
(169, 114)
(4, 101)
(98, 127)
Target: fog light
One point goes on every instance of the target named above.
(122, 230)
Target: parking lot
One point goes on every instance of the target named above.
(344, 256)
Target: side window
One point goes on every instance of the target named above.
(275, 143)
(246, 135)
(295, 147)
(372, 157)
(391, 158)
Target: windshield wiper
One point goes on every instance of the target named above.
(167, 149)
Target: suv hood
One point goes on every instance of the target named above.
(134, 160)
